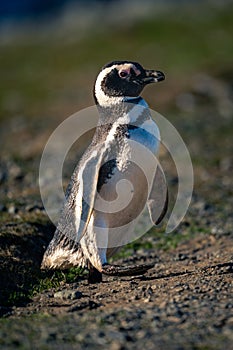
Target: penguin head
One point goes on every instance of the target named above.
(119, 79)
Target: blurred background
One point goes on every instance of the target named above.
(50, 54)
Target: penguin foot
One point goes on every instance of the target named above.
(94, 275)
(132, 270)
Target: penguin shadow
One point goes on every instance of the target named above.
(157, 277)
(219, 269)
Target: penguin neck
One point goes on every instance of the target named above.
(124, 111)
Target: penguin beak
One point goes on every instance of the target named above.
(153, 76)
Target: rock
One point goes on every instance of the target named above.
(68, 294)
(181, 257)
(12, 209)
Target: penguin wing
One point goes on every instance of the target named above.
(158, 198)
(81, 194)
(64, 249)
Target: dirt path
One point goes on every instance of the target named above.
(184, 302)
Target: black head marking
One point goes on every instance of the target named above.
(122, 79)
(116, 85)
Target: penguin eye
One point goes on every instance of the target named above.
(123, 74)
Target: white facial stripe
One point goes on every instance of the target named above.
(102, 98)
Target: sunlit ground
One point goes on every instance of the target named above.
(47, 74)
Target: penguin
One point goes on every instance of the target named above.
(88, 234)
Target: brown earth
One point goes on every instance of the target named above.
(184, 302)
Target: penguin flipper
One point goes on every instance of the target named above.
(64, 249)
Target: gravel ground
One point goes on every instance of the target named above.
(184, 302)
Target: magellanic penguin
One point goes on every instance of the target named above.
(124, 116)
